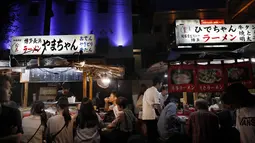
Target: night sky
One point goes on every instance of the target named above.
(164, 5)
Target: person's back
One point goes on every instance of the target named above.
(88, 123)
(230, 134)
(30, 126)
(88, 135)
(245, 123)
(10, 121)
(203, 126)
(61, 125)
(227, 132)
(55, 124)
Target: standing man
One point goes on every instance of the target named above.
(152, 109)
(163, 96)
(65, 92)
(10, 121)
(6, 83)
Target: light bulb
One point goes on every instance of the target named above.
(106, 80)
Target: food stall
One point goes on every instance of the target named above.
(43, 58)
(74, 74)
(203, 68)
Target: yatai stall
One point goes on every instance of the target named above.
(45, 64)
(206, 73)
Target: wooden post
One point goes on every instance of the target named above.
(90, 87)
(84, 80)
(38, 61)
(195, 97)
(25, 94)
(185, 98)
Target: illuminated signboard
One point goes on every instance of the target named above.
(212, 21)
(53, 45)
(224, 33)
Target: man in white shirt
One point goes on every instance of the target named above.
(163, 96)
(112, 99)
(151, 105)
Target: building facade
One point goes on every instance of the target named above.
(109, 20)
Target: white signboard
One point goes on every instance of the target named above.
(187, 22)
(224, 33)
(53, 45)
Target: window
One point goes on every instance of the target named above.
(102, 6)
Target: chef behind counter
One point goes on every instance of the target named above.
(65, 92)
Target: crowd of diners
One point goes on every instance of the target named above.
(156, 121)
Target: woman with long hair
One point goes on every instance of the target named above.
(61, 125)
(87, 123)
(35, 124)
(239, 97)
(139, 102)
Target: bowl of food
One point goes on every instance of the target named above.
(181, 77)
(209, 75)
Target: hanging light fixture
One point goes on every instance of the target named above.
(106, 80)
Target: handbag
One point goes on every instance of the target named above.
(34, 133)
(51, 137)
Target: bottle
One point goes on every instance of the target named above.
(34, 97)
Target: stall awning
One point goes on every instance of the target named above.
(188, 56)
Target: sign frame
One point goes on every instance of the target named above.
(211, 34)
(53, 45)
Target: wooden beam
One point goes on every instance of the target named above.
(84, 81)
(25, 94)
(243, 8)
(90, 87)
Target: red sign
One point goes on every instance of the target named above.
(212, 21)
(210, 78)
(181, 78)
(240, 72)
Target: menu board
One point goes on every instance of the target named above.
(182, 78)
(210, 78)
(239, 72)
(54, 75)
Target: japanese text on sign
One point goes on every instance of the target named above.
(225, 33)
(53, 45)
(211, 87)
(182, 88)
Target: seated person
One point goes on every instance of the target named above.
(35, 124)
(123, 125)
(112, 99)
(10, 121)
(65, 92)
(169, 124)
(88, 123)
(214, 107)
